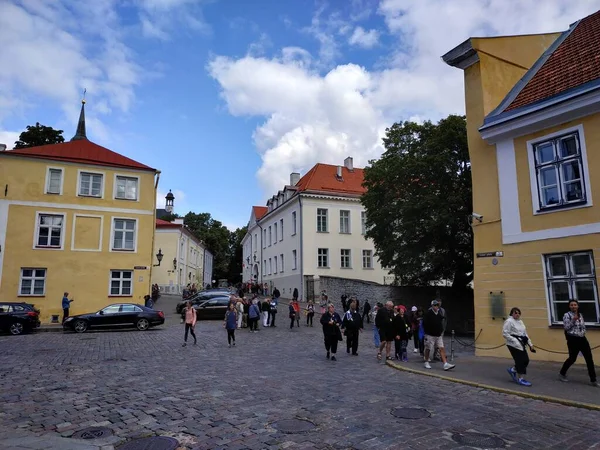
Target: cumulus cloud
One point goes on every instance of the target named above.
(365, 39)
(312, 114)
(9, 138)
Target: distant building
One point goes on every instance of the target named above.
(314, 226)
(184, 258)
(75, 217)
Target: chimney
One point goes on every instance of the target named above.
(349, 164)
(338, 172)
(294, 178)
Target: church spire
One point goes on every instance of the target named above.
(80, 134)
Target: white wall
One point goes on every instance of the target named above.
(335, 241)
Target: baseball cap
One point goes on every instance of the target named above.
(435, 303)
(413, 309)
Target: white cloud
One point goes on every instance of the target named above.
(312, 116)
(9, 138)
(363, 38)
(161, 17)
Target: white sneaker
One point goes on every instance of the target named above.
(427, 365)
(448, 366)
(416, 350)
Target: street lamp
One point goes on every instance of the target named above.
(159, 257)
(248, 260)
(174, 263)
(254, 258)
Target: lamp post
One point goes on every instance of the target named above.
(174, 263)
(159, 257)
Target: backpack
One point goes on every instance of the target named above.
(273, 307)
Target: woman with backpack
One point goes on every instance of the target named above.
(577, 342)
(230, 323)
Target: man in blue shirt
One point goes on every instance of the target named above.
(65, 306)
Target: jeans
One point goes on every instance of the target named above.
(309, 319)
(190, 328)
(230, 336)
(65, 314)
(578, 344)
(400, 348)
(376, 338)
(521, 359)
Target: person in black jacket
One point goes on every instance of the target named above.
(366, 311)
(352, 325)
(384, 321)
(400, 333)
(331, 322)
(433, 324)
(345, 306)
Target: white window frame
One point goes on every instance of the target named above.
(294, 259)
(32, 278)
(570, 279)
(280, 230)
(75, 217)
(345, 258)
(113, 219)
(275, 233)
(126, 176)
(324, 254)
(62, 180)
(326, 219)
(367, 255)
(121, 278)
(343, 219)
(81, 172)
(36, 235)
(282, 265)
(294, 223)
(275, 264)
(535, 193)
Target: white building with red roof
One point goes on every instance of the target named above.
(312, 227)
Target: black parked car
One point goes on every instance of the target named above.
(117, 315)
(214, 308)
(201, 297)
(17, 317)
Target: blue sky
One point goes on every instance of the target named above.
(227, 97)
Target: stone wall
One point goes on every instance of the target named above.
(458, 303)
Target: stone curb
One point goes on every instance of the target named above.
(543, 398)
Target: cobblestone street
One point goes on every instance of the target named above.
(210, 396)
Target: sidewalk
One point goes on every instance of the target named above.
(17, 440)
(490, 373)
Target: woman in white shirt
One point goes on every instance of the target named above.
(515, 333)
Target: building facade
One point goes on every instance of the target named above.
(75, 217)
(315, 226)
(184, 258)
(533, 124)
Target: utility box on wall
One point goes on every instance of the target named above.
(497, 305)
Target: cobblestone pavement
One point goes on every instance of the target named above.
(211, 396)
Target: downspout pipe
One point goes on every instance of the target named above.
(301, 250)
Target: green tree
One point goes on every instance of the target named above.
(418, 201)
(37, 135)
(216, 238)
(236, 254)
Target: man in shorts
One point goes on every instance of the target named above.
(384, 321)
(433, 324)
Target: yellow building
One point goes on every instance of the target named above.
(533, 124)
(183, 260)
(75, 217)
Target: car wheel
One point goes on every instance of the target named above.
(80, 326)
(142, 324)
(16, 328)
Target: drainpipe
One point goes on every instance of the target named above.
(301, 252)
(261, 255)
(157, 173)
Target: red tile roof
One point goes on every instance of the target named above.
(80, 151)
(322, 177)
(163, 223)
(259, 211)
(576, 61)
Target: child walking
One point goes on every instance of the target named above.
(190, 323)
(310, 313)
(230, 324)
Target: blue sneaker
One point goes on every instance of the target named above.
(523, 382)
(513, 373)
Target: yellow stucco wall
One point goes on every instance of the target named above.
(82, 267)
(520, 273)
